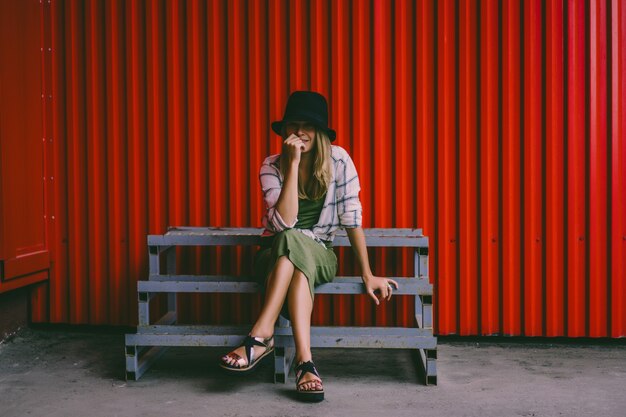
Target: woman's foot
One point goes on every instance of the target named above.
(248, 354)
(308, 382)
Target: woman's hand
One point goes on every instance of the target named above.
(292, 148)
(380, 284)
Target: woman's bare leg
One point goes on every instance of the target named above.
(300, 309)
(276, 291)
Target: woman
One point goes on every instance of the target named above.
(310, 190)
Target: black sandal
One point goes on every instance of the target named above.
(251, 362)
(308, 395)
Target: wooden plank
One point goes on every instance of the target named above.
(240, 331)
(221, 284)
(211, 236)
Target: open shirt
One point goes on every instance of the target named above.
(341, 209)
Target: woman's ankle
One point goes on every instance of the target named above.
(303, 358)
(259, 331)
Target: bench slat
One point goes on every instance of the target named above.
(229, 236)
(321, 336)
(228, 231)
(221, 284)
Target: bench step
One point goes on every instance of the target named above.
(225, 284)
(230, 236)
(321, 336)
(151, 340)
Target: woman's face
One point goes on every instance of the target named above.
(304, 130)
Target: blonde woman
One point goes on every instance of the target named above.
(311, 189)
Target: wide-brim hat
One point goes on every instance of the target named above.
(306, 106)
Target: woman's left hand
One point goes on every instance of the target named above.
(383, 285)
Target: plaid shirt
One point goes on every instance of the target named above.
(341, 209)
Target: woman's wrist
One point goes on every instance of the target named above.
(368, 275)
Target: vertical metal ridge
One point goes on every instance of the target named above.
(436, 293)
(618, 170)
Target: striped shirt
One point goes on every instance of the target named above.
(341, 209)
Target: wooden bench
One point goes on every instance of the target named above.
(151, 340)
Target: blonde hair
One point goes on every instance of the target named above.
(322, 171)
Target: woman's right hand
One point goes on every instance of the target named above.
(292, 148)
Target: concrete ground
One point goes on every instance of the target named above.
(70, 373)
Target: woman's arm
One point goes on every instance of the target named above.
(287, 203)
(372, 283)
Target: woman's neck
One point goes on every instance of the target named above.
(306, 161)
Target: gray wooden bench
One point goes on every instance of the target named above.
(151, 339)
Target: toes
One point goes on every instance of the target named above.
(312, 385)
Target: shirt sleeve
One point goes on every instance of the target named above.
(271, 185)
(349, 209)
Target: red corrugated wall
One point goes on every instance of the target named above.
(497, 127)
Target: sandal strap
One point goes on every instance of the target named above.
(305, 367)
(249, 342)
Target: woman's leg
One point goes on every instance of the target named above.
(300, 309)
(276, 291)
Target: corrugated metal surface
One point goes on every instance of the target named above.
(24, 255)
(497, 127)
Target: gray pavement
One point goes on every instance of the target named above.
(70, 373)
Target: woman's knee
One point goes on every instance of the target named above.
(282, 268)
(299, 281)
(284, 261)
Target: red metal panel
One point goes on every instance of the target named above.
(403, 147)
(260, 133)
(597, 153)
(381, 147)
(318, 81)
(196, 73)
(468, 170)
(495, 126)
(340, 116)
(237, 137)
(617, 265)
(77, 163)
(58, 304)
(24, 179)
(40, 292)
(97, 163)
(490, 242)
(362, 129)
(218, 125)
(117, 168)
(576, 167)
(511, 185)
(137, 105)
(554, 204)
(425, 127)
(445, 242)
(532, 171)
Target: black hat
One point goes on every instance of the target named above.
(306, 106)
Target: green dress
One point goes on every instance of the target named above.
(318, 263)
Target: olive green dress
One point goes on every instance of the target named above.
(319, 264)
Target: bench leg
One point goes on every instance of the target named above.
(427, 365)
(283, 357)
(140, 358)
(170, 267)
(426, 358)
